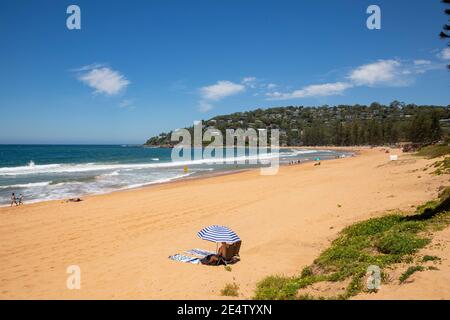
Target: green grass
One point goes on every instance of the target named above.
(442, 167)
(430, 258)
(405, 275)
(379, 241)
(400, 243)
(434, 151)
(230, 290)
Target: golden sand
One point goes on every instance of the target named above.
(122, 240)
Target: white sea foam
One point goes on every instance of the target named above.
(65, 190)
(27, 185)
(114, 173)
(87, 167)
(77, 178)
(162, 180)
(32, 168)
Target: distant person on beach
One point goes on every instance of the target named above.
(20, 199)
(13, 199)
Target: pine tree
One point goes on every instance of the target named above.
(419, 130)
(444, 34)
(435, 128)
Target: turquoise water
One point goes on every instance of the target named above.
(48, 172)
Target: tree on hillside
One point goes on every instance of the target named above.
(418, 129)
(435, 127)
(446, 28)
(338, 125)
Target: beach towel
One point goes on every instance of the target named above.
(199, 252)
(183, 258)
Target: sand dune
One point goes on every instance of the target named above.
(121, 240)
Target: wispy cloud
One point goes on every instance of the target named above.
(382, 72)
(444, 54)
(89, 67)
(316, 90)
(127, 104)
(249, 82)
(220, 90)
(102, 79)
(422, 62)
(204, 106)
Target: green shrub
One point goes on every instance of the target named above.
(276, 288)
(409, 272)
(379, 241)
(430, 258)
(400, 243)
(306, 272)
(230, 290)
(434, 151)
(373, 226)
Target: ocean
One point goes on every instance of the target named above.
(51, 172)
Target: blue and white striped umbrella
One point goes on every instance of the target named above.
(218, 234)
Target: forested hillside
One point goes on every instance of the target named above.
(342, 125)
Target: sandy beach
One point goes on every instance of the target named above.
(122, 240)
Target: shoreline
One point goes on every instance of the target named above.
(217, 173)
(121, 240)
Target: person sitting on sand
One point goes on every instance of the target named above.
(13, 199)
(218, 258)
(222, 250)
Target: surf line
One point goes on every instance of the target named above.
(257, 146)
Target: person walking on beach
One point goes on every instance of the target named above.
(13, 199)
(20, 199)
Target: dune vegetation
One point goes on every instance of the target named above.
(383, 242)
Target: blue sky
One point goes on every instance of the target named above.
(137, 68)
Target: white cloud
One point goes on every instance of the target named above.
(204, 106)
(444, 54)
(221, 90)
(382, 72)
(422, 62)
(127, 104)
(248, 80)
(315, 90)
(422, 68)
(103, 79)
(271, 86)
(89, 67)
